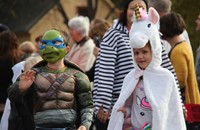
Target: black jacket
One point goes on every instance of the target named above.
(21, 115)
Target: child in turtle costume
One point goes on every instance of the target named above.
(54, 94)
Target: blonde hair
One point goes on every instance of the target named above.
(31, 61)
(27, 47)
(98, 28)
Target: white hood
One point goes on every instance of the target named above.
(146, 30)
(159, 83)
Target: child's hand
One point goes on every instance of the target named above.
(82, 128)
(129, 128)
(123, 110)
(26, 80)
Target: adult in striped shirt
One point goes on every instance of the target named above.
(114, 61)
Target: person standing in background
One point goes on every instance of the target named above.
(171, 26)
(163, 7)
(197, 63)
(81, 53)
(198, 23)
(98, 28)
(17, 70)
(9, 56)
(27, 49)
(37, 44)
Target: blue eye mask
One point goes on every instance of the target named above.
(53, 43)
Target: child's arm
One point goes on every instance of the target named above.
(123, 110)
(19, 89)
(126, 109)
(84, 100)
(26, 80)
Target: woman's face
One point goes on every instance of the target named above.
(198, 23)
(74, 34)
(130, 10)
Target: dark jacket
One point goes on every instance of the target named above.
(90, 73)
(21, 117)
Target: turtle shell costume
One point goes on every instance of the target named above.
(57, 98)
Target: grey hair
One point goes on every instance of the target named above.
(80, 24)
(161, 6)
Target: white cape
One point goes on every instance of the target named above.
(159, 83)
(161, 92)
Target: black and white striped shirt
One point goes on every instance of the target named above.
(113, 63)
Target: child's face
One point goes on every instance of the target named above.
(143, 56)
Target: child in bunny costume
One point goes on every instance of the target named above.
(149, 99)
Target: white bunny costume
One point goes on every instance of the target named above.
(159, 83)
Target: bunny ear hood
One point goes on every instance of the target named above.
(146, 29)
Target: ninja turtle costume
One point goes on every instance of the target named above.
(57, 98)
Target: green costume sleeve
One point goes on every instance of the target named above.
(14, 94)
(84, 99)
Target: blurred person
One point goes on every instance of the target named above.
(37, 45)
(197, 63)
(54, 94)
(98, 27)
(17, 70)
(81, 51)
(171, 26)
(114, 61)
(198, 23)
(9, 56)
(27, 48)
(164, 7)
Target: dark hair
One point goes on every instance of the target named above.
(9, 47)
(3, 28)
(99, 28)
(171, 24)
(123, 14)
(38, 38)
